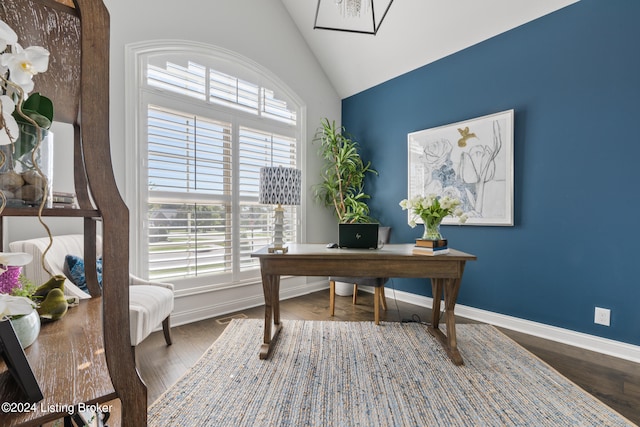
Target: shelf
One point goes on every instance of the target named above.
(68, 361)
(59, 212)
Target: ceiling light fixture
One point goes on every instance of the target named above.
(352, 16)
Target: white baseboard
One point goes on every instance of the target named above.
(192, 307)
(577, 339)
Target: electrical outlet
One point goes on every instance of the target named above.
(602, 316)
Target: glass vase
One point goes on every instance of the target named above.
(26, 175)
(431, 230)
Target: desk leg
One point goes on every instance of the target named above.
(436, 291)
(449, 341)
(271, 289)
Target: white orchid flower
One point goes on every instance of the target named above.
(24, 64)
(15, 306)
(14, 259)
(9, 130)
(7, 36)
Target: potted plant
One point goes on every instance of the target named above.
(344, 172)
(343, 176)
(16, 304)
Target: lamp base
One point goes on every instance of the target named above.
(278, 232)
(278, 249)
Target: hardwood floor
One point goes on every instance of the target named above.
(614, 381)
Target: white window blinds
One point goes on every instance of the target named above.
(208, 133)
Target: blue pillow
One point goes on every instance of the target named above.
(74, 269)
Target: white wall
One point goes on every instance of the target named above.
(258, 29)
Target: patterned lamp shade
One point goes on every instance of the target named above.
(280, 186)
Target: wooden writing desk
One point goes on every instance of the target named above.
(69, 364)
(445, 272)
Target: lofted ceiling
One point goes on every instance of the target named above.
(414, 33)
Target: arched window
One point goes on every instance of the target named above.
(207, 121)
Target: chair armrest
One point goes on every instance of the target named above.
(135, 280)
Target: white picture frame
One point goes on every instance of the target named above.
(471, 160)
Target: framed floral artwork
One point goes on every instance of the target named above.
(472, 161)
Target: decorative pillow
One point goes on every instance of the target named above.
(74, 269)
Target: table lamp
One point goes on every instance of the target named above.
(279, 186)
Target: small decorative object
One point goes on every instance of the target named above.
(54, 305)
(431, 210)
(279, 186)
(25, 143)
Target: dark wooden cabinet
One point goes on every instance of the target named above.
(77, 81)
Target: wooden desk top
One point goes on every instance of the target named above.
(69, 364)
(302, 250)
(393, 260)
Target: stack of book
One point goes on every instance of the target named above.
(431, 247)
(63, 200)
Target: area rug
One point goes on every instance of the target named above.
(324, 373)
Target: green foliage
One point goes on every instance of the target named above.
(26, 288)
(342, 186)
(39, 108)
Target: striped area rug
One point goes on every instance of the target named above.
(359, 374)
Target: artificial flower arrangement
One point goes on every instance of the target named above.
(14, 298)
(18, 296)
(432, 209)
(24, 119)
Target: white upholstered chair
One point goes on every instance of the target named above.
(150, 303)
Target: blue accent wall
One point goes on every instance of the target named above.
(573, 79)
